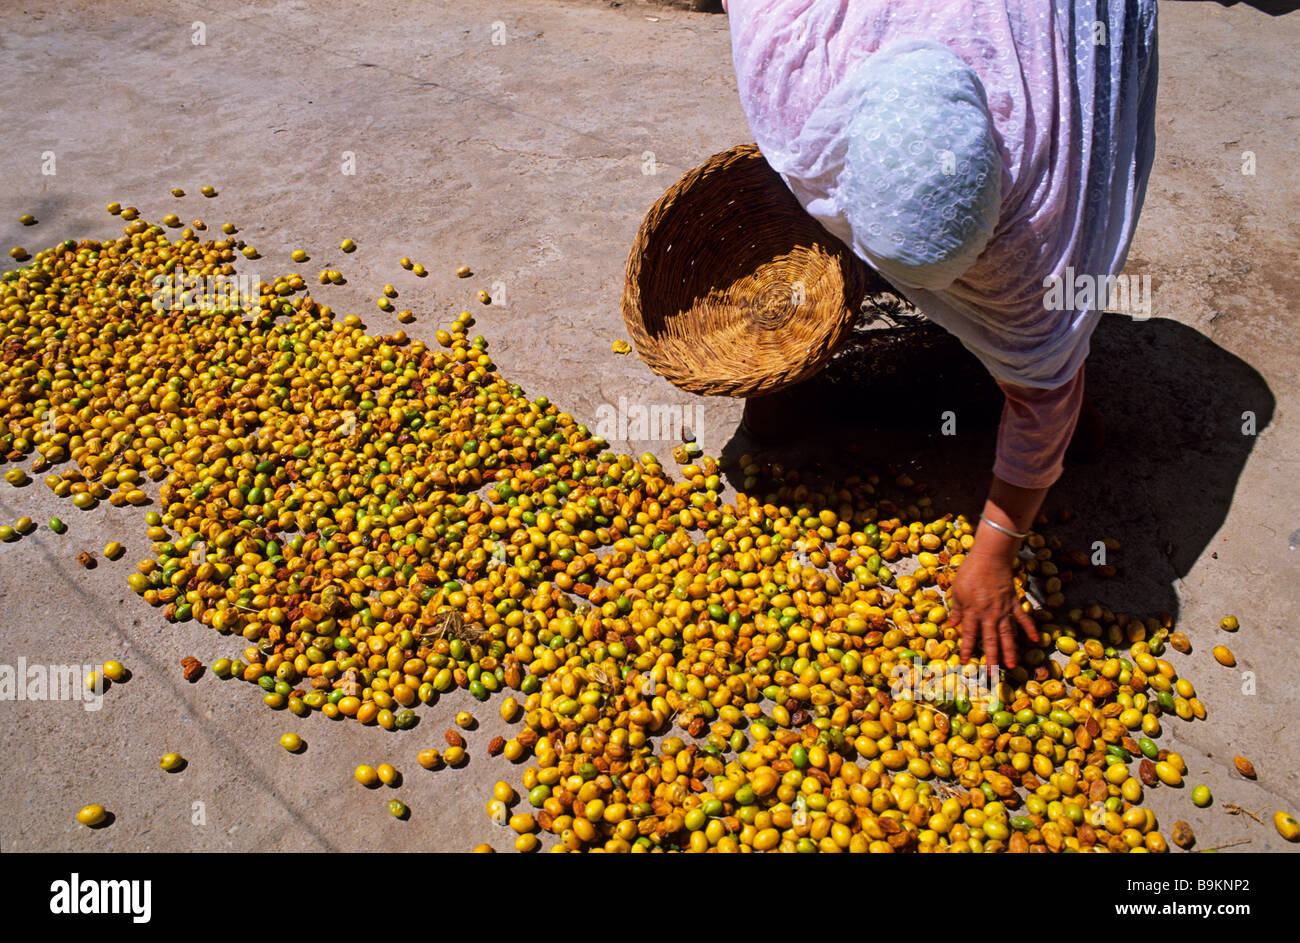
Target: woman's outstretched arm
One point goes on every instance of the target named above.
(1032, 438)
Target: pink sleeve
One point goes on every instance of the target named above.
(1035, 430)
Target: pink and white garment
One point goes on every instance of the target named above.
(971, 151)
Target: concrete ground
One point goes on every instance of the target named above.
(529, 160)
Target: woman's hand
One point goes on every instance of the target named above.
(983, 602)
(982, 599)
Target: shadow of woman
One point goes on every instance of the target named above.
(1269, 7)
(1181, 416)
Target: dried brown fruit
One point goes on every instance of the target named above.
(454, 739)
(191, 668)
(1244, 766)
(1182, 835)
(1147, 772)
(86, 560)
(1052, 837)
(496, 745)
(1180, 642)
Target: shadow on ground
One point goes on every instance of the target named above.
(1181, 417)
(1270, 7)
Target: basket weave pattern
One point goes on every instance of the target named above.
(732, 288)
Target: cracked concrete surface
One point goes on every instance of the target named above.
(526, 161)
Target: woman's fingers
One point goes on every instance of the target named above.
(954, 613)
(957, 616)
(969, 631)
(993, 626)
(1026, 622)
(1007, 636)
(989, 629)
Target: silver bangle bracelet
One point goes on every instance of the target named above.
(1004, 530)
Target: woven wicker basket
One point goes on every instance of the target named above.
(732, 288)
